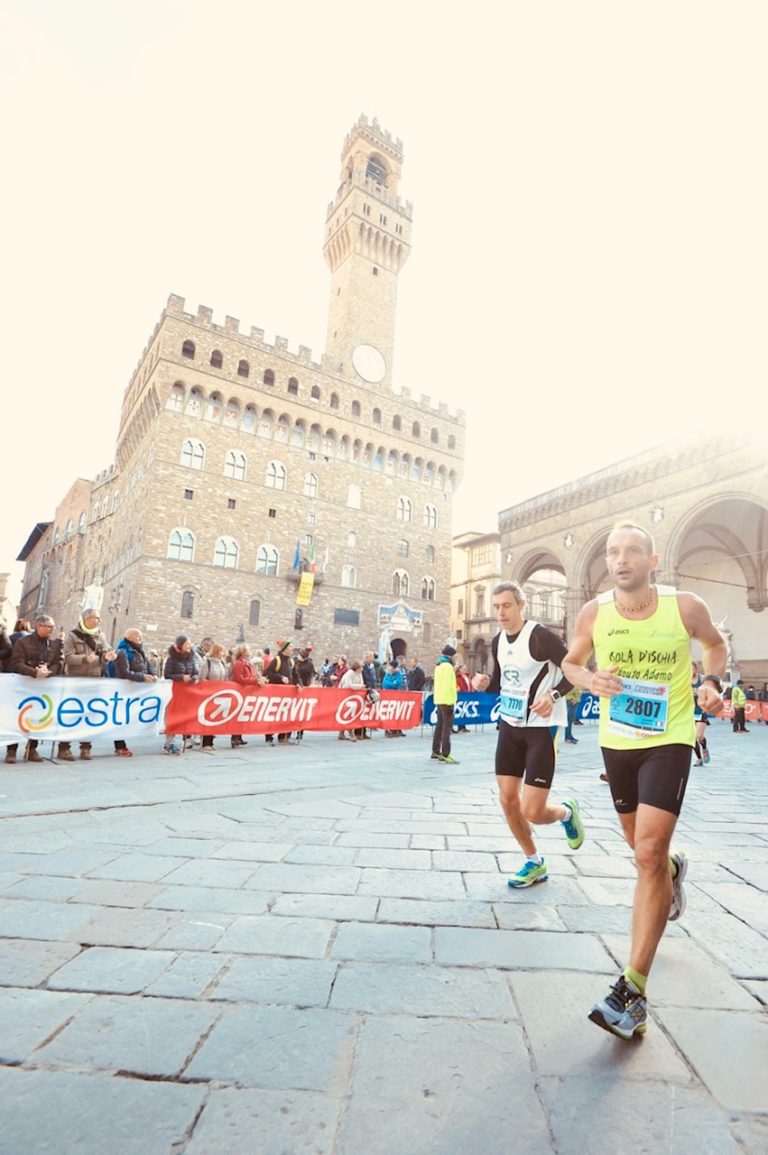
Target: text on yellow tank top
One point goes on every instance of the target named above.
(655, 707)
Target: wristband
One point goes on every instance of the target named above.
(555, 695)
(713, 678)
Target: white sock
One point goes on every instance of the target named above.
(537, 858)
(568, 814)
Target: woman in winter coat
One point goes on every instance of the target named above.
(86, 653)
(395, 678)
(180, 666)
(132, 664)
(213, 668)
(352, 680)
(244, 672)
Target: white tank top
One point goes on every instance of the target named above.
(520, 673)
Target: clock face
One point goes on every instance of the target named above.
(369, 363)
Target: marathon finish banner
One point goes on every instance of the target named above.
(79, 709)
(231, 708)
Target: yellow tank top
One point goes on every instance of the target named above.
(655, 707)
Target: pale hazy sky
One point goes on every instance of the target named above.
(588, 274)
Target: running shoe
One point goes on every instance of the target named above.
(623, 1012)
(679, 901)
(698, 762)
(573, 826)
(437, 757)
(529, 873)
(706, 758)
(449, 759)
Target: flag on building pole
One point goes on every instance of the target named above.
(313, 560)
(297, 557)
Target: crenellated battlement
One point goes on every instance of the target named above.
(375, 135)
(378, 192)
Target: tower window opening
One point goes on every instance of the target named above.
(375, 271)
(375, 171)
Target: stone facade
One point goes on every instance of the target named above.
(233, 455)
(706, 503)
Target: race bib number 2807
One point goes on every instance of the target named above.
(640, 710)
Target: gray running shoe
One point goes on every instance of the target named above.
(624, 1012)
(679, 901)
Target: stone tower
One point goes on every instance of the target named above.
(367, 242)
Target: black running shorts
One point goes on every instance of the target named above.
(656, 776)
(526, 750)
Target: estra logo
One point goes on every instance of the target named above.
(35, 713)
(38, 711)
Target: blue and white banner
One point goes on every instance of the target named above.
(479, 709)
(79, 709)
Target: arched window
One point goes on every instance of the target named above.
(378, 460)
(176, 397)
(391, 462)
(428, 589)
(81, 523)
(249, 418)
(351, 539)
(430, 517)
(265, 423)
(403, 549)
(283, 430)
(226, 553)
(401, 583)
(234, 465)
(43, 593)
(314, 393)
(187, 604)
(355, 408)
(192, 454)
(434, 436)
(451, 441)
(416, 429)
(243, 369)
(299, 433)
(397, 423)
(404, 509)
(232, 414)
(429, 554)
(254, 612)
(269, 376)
(334, 401)
(310, 485)
(276, 475)
(266, 559)
(348, 577)
(69, 529)
(188, 349)
(181, 545)
(354, 495)
(216, 359)
(293, 386)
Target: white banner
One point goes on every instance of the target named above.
(79, 709)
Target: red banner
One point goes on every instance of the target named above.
(753, 711)
(231, 708)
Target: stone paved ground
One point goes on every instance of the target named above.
(314, 950)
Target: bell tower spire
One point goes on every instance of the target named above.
(367, 242)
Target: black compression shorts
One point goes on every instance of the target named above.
(526, 750)
(656, 776)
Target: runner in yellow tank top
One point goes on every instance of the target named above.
(641, 637)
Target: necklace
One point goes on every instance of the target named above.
(634, 609)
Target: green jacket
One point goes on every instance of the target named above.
(444, 693)
(738, 697)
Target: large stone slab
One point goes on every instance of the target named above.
(28, 1018)
(112, 970)
(136, 1035)
(277, 981)
(729, 1051)
(54, 921)
(554, 1009)
(377, 942)
(236, 1121)
(423, 912)
(412, 884)
(427, 991)
(58, 1113)
(527, 916)
(465, 860)
(27, 963)
(653, 1117)
(189, 976)
(314, 855)
(524, 950)
(137, 867)
(341, 907)
(395, 859)
(210, 898)
(268, 934)
(278, 1048)
(558, 889)
(442, 1088)
(740, 949)
(115, 926)
(213, 872)
(281, 876)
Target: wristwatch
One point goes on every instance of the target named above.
(555, 695)
(713, 678)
